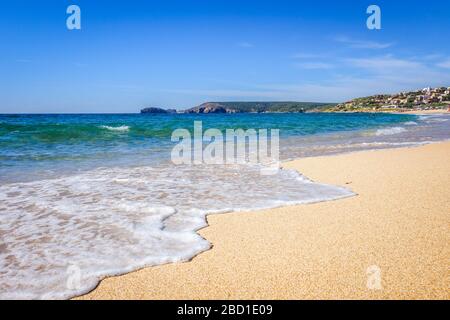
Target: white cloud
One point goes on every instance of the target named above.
(383, 63)
(397, 73)
(360, 77)
(363, 44)
(444, 64)
(433, 56)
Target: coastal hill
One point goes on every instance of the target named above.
(425, 99)
(257, 107)
(158, 110)
(248, 107)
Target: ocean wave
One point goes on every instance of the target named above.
(411, 123)
(434, 118)
(389, 131)
(437, 120)
(120, 129)
(108, 222)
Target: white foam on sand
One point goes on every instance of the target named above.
(61, 236)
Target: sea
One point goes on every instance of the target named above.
(86, 196)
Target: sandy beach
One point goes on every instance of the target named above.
(399, 222)
(426, 112)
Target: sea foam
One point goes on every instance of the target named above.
(120, 128)
(61, 236)
(389, 131)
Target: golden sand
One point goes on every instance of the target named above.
(425, 112)
(399, 222)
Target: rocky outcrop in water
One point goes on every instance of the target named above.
(211, 107)
(158, 110)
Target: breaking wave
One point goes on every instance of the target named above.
(120, 128)
(389, 131)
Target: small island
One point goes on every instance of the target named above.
(158, 110)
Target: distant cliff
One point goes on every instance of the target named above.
(158, 110)
(257, 107)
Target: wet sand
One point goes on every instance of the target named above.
(398, 225)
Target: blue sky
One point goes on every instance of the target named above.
(177, 54)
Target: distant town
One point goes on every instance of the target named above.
(425, 99)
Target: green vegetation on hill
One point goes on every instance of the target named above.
(258, 107)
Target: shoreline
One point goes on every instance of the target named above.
(426, 112)
(182, 278)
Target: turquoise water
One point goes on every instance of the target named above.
(83, 197)
(41, 145)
